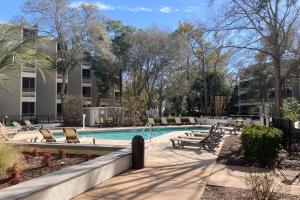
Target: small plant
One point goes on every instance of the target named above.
(46, 159)
(28, 158)
(87, 157)
(61, 154)
(9, 155)
(14, 174)
(261, 145)
(263, 186)
(34, 152)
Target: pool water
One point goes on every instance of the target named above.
(128, 134)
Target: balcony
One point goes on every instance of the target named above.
(28, 92)
(86, 80)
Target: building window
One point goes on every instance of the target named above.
(86, 91)
(59, 86)
(86, 73)
(27, 108)
(59, 109)
(28, 84)
(29, 32)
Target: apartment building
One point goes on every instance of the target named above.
(256, 88)
(30, 92)
(19, 95)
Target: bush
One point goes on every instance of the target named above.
(9, 156)
(261, 145)
(263, 186)
(72, 109)
(290, 109)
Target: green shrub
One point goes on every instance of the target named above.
(9, 156)
(261, 145)
(290, 109)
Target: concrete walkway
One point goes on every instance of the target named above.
(169, 174)
(232, 176)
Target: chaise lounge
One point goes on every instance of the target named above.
(71, 135)
(47, 135)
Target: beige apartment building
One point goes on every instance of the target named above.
(254, 92)
(29, 93)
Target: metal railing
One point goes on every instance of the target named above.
(291, 135)
(42, 119)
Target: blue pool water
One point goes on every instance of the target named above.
(128, 134)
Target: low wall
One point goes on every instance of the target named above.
(72, 181)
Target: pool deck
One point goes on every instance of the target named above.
(168, 173)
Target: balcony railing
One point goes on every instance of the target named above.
(28, 89)
(86, 80)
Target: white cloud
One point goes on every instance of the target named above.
(139, 9)
(165, 9)
(99, 5)
(191, 9)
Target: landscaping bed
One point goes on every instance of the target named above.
(36, 164)
(231, 154)
(227, 193)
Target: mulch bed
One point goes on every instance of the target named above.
(33, 166)
(231, 153)
(227, 193)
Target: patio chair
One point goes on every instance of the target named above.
(164, 121)
(192, 120)
(151, 121)
(198, 142)
(109, 122)
(19, 127)
(201, 132)
(237, 127)
(71, 135)
(178, 121)
(99, 122)
(47, 135)
(30, 126)
(5, 133)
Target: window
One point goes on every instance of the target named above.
(28, 84)
(59, 86)
(59, 109)
(86, 73)
(86, 91)
(29, 32)
(27, 108)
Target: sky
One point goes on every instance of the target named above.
(138, 13)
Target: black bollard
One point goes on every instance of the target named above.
(138, 152)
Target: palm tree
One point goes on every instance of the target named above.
(17, 52)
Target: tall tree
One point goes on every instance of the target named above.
(76, 30)
(266, 26)
(121, 35)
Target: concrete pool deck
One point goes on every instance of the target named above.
(168, 173)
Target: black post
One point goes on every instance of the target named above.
(138, 152)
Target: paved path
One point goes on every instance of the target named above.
(168, 174)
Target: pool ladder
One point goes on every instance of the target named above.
(148, 125)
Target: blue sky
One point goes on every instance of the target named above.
(139, 13)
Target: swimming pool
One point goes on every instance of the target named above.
(128, 134)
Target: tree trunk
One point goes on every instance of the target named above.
(278, 86)
(121, 86)
(205, 88)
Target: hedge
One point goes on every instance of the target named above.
(261, 145)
